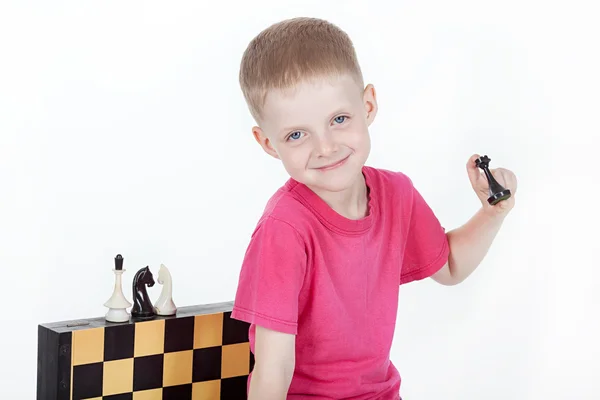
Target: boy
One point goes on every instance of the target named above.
(320, 278)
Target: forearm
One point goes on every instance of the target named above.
(470, 243)
(269, 384)
(275, 361)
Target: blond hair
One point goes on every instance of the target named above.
(292, 51)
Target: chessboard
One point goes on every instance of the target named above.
(201, 353)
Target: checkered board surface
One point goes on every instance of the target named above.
(199, 354)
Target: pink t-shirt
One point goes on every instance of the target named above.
(333, 282)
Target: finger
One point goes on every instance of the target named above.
(473, 170)
(471, 162)
(511, 181)
(503, 176)
(506, 178)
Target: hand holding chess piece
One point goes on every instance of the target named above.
(495, 188)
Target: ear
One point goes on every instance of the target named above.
(370, 103)
(264, 142)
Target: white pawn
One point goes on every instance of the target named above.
(117, 304)
(164, 304)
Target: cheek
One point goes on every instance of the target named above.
(358, 138)
(296, 157)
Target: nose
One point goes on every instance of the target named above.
(325, 144)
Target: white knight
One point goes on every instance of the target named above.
(164, 305)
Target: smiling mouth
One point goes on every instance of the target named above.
(334, 165)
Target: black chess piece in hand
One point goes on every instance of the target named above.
(142, 306)
(497, 192)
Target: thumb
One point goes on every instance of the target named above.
(473, 170)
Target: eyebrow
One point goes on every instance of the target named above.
(340, 110)
(285, 131)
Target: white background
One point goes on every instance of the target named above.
(123, 130)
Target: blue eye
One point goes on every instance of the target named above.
(340, 119)
(296, 135)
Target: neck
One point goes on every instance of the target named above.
(351, 203)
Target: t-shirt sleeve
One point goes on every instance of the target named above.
(426, 249)
(271, 277)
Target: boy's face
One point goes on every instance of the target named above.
(319, 131)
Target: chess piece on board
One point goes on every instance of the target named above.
(497, 191)
(164, 305)
(142, 306)
(117, 304)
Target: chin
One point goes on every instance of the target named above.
(334, 180)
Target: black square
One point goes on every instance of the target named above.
(179, 334)
(148, 372)
(234, 331)
(179, 392)
(121, 396)
(207, 364)
(118, 342)
(234, 388)
(87, 380)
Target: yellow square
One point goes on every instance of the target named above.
(149, 338)
(153, 394)
(118, 377)
(235, 360)
(208, 330)
(209, 390)
(88, 346)
(178, 368)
